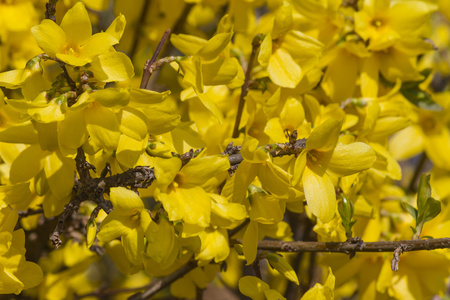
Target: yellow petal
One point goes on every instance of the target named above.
(125, 201)
(282, 21)
(336, 86)
(197, 205)
(77, 25)
(117, 27)
(369, 77)
(111, 97)
(133, 123)
(27, 164)
(266, 209)
(103, 127)
(71, 132)
(283, 70)
(320, 195)
(292, 115)
(325, 136)
(193, 75)
(49, 36)
(274, 130)
(437, 146)
(188, 44)
(215, 45)
(13, 79)
(112, 66)
(59, 172)
(220, 71)
(166, 170)
(214, 245)
(200, 170)
(265, 51)
(161, 240)
(98, 44)
(114, 226)
(141, 97)
(250, 242)
(351, 158)
(129, 150)
(133, 244)
(253, 287)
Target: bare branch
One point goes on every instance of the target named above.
(30, 212)
(147, 71)
(50, 10)
(155, 286)
(346, 247)
(245, 87)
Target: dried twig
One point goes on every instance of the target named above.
(245, 87)
(155, 286)
(50, 10)
(345, 247)
(147, 71)
(30, 212)
(139, 28)
(88, 188)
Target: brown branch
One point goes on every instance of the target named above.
(50, 10)
(147, 72)
(412, 187)
(30, 212)
(346, 247)
(245, 87)
(68, 210)
(155, 286)
(139, 28)
(88, 188)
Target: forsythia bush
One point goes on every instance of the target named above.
(269, 121)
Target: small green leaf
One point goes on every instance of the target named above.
(412, 211)
(346, 210)
(423, 193)
(420, 98)
(278, 263)
(433, 208)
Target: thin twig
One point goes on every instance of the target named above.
(30, 212)
(155, 286)
(245, 87)
(139, 28)
(68, 210)
(413, 182)
(147, 73)
(257, 267)
(346, 247)
(50, 10)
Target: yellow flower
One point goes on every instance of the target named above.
(72, 41)
(182, 192)
(323, 156)
(128, 220)
(288, 54)
(16, 273)
(383, 23)
(427, 133)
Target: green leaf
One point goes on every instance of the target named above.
(433, 208)
(420, 98)
(426, 237)
(424, 192)
(412, 211)
(346, 210)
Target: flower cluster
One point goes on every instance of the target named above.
(268, 120)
